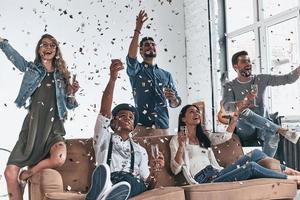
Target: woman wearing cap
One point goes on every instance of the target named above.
(47, 87)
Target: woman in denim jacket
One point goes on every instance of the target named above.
(190, 154)
(47, 89)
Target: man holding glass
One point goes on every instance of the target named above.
(152, 86)
(121, 161)
(256, 116)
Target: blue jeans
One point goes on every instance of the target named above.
(137, 185)
(247, 168)
(246, 127)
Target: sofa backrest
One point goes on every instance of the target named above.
(164, 177)
(80, 162)
(79, 165)
(229, 151)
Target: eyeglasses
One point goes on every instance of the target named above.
(48, 45)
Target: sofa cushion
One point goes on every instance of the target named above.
(51, 181)
(163, 193)
(239, 190)
(64, 196)
(80, 163)
(47, 180)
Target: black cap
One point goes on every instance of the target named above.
(126, 106)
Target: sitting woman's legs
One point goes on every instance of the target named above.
(255, 156)
(247, 171)
(13, 188)
(57, 158)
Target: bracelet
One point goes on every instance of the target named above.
(139, 32)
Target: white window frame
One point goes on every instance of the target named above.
(259, 27)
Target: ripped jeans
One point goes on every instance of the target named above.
(246, 126)
(247, 168)
(243, 169)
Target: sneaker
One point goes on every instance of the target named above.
(119, 191)
(100, 182)
(292, 136)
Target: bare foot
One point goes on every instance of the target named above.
(290, 171)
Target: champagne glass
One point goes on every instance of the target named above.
(72, 80)
(254, 90)
(155, 154)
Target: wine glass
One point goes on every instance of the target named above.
(254, 90)
(155, 154)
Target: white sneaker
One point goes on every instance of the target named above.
(100, 182)
(292, 136)
(119, 191)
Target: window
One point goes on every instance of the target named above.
(273, 7)
(239, 9)
(269, 31)
(283, 53)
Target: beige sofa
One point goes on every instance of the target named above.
(72, 180)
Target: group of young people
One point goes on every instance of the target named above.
(122, 165)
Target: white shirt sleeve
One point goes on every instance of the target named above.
(218, 138)
(144, 168)
(175, 167)
(213, 160)
(101, 137)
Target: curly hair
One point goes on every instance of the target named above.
(58, 61)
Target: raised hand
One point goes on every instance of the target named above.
(182, 137)
(75, 87)
(115, 66)
(140, 19)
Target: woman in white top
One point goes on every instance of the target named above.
(190, 154)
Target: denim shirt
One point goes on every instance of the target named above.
(148, 83)
(33, 75)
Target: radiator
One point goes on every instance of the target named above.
(291, 154)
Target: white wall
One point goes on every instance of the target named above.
(198, 56)
(23, 22)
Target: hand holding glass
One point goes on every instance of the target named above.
(254, 91)
(155, 154)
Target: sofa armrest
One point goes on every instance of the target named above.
(51, 181)
(64, 196)
(45, 181)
